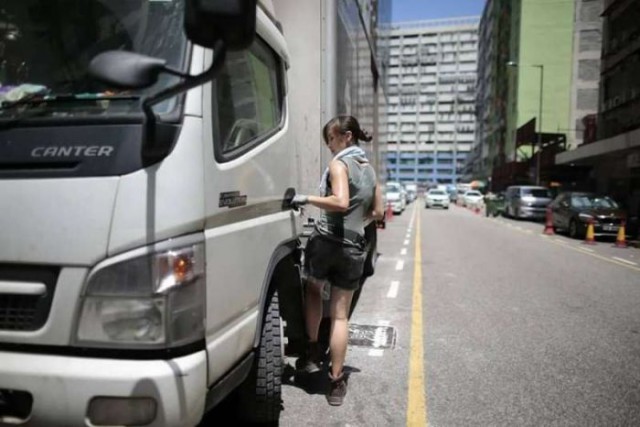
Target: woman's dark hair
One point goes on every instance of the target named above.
(346, 124)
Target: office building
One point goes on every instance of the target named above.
(431, 97)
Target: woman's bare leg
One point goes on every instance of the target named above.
(313, 309)
(340, 303)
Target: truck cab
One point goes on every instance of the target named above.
(146, 240)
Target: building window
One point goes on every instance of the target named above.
(587, 99)
(590, 11)
(590, 40)
(589, 69)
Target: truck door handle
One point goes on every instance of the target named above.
(22, 288)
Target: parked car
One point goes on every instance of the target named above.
(435, 198)
(472, 198)
(395, 196)
(572, 211)
(527, 201)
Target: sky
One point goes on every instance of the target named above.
(418, 10)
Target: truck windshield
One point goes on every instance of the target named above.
(46, 47)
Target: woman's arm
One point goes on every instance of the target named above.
(339, 200)
(378, 207)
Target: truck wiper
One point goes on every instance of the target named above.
(40, 98)
(37, 103)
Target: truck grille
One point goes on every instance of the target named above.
(26, 312)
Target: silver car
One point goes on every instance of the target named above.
(527, 201)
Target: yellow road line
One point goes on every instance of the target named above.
(417, 406)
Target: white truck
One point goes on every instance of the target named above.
(148, 255)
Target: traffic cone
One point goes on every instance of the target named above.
(621, 240)
(389, 212)
(477, 210)
(548, 225)
(590, 237)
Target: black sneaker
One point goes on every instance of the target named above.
(313, 358)
(337, 390)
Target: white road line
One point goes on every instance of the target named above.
(393, 290)
(560, 241)
(399, 265)
(376, 352)
(624, 260)
(586, 249)
(406, 242)
(403, 251)
(384, 322)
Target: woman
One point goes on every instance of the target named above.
(335, 252)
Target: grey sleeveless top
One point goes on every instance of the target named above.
(348, 227)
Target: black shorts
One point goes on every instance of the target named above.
(339, 264)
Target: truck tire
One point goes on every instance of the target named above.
(260, 396)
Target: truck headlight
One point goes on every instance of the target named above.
(154, 300)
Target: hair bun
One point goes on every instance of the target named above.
(364, 136)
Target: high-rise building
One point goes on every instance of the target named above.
(587, 48)
(611, 146)
(536, 87)
(494, 52)
(431, 96)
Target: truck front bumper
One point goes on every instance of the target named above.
(73, 391)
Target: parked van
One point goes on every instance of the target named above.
(527, 201)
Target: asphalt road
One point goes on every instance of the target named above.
(509, 327)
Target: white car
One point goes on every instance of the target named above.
(472, 198)
(438, 198)
(395, 197)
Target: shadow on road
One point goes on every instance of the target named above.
(312, 384)
(316, 383)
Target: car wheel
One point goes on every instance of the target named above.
(260, 398)
(573, 229)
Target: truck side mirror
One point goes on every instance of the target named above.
(127, 70)
(231, 21)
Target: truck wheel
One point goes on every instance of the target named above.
(260, 398)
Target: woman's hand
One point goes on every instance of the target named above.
(378, 207)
